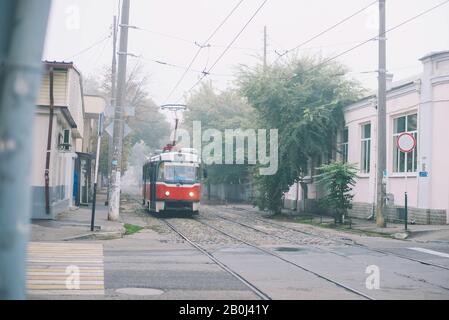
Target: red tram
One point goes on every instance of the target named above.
(171, 181)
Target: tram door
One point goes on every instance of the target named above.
(153, 178)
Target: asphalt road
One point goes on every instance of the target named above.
(310, 263)
(225, 253)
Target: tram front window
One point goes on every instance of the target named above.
(178, 173)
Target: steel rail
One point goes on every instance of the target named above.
(251, 286)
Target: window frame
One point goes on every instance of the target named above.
(345, 144)
(365, 149)
(396, 159)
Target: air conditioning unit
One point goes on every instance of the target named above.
(64, 140)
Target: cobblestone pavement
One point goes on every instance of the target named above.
(209, 238)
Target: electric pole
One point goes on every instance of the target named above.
(114, 198)
(113, 87)
(265, 48)
(381, 120)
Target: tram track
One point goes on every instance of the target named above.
(314, 246)
(273, 254)
(251, 286)
(352, 243)
(239, 238)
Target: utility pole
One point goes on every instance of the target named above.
(114, 198)
(113, 104)
(23, 25)
(265, 48)
(381, 120)
(97, 163)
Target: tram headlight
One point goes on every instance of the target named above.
(167, 193)
(191, 194)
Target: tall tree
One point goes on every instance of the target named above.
(148, 125)
(220, 111)
(303, 99)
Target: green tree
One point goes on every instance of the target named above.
(338, 178)
(221, 111)
(303, 99)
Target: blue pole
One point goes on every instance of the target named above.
(23, 26)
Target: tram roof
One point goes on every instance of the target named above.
(176, 157)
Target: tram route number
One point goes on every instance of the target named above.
(227, 310)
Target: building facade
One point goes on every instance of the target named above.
(418, 106)
(62, 172)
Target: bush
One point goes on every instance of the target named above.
(339, 179)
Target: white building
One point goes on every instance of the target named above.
(419, 106)
(70, 137)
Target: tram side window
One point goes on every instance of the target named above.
(161, 172)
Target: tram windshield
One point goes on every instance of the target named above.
(178, 172)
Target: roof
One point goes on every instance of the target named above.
(94, 104)
(61, 65)
(397, 85)
(435, 54)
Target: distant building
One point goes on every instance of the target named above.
(419, 106)
(69, 131)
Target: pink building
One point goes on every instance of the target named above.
(419, 106)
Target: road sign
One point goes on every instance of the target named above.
(406, 142)
(423, 174)
(127, 130)
(110, 130)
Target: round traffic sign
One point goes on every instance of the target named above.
(406, 142)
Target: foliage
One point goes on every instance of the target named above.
(338, 178)
(303, 99)
(148, 125)
(221, 111)
(131, 229)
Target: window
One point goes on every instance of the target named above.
(174, 172)
(366, 148)
(64, 140)
(345, 144)
(405, 162)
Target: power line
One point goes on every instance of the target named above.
(91, 46)
(192, 42)
(326, 30)
(238, 35)
(168, 64)
(228, 46)
(200, 48)
(373, 38)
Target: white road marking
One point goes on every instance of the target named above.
(49, 268)
(435, 253)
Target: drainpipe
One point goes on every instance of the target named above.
(49, 141)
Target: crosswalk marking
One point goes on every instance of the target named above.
(52, 269)
(435, 253)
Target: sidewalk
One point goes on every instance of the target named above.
(424, 233)
(420, 233)
(75, 225)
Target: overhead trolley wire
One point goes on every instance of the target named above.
(201, 47)
(326, 30)
(103, 39)
(206, 73)
(374, 38)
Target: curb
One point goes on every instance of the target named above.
(111, 235)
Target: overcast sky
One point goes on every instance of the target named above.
(173, 26)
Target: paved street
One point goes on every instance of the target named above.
(251, 257)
